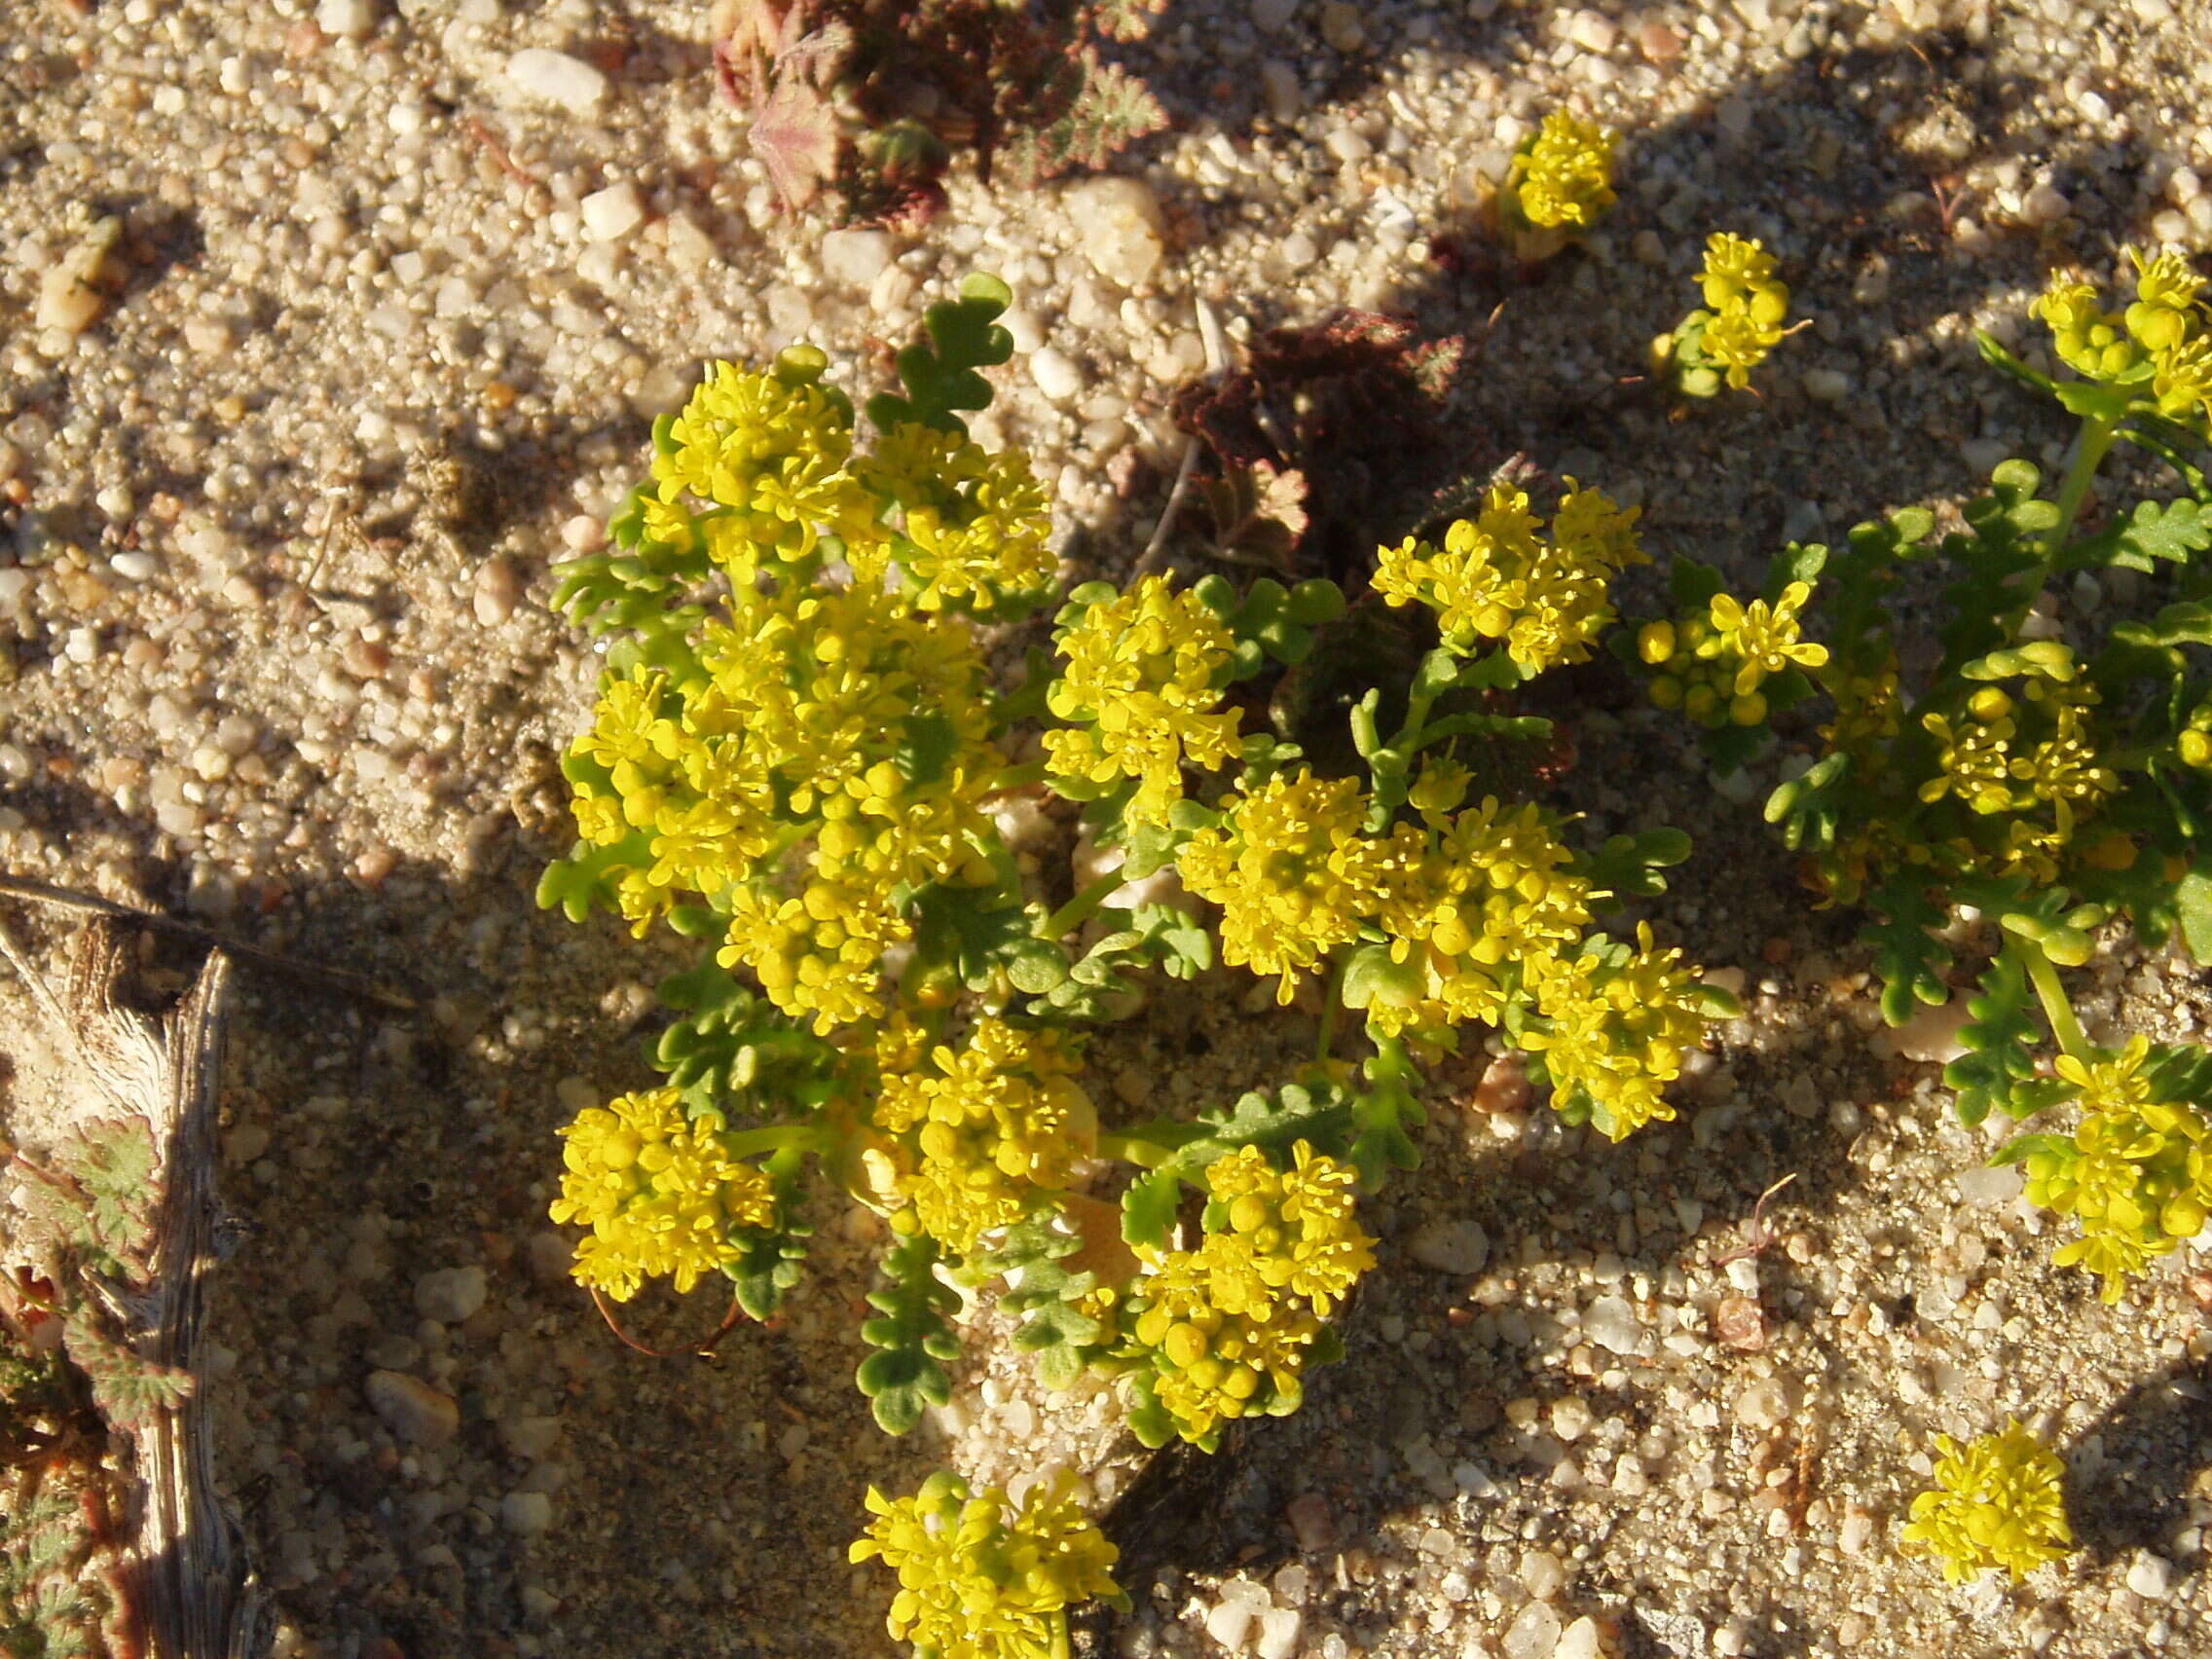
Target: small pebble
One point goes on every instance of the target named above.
(2046, 204)
(1592, 31)
(856, 258)
(1985, 1186)
(1268, 15)
(498, 590)
(1451, 1247)
(1311, 1522)
(1342, 27)
(526, 1514)
(1763, 1404)
(1659, 44)
(2150, 1575)
(1826, 385)
(556, 78)
(417, 1414)
(1611, 1323)
(1056, 373)
(346, 19)
(1740, 1323)
(1930, 1036)
(1281, 90)
(1542, 1575)
(450, 1295)
(1533, 1633)
(611, 215)
(1579, 1641)
(1119, 222)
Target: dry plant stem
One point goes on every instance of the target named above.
(64, 899)
(1215, 345)
(189, 1592)
(703, 1348)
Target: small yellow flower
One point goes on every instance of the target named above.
(1145, 675)
(2137, 1174)
(1563, 176)
(1998, 1502)
(1495, 578)
(981, 1577)
(1617, 1034)
(994, 1127)
(1763, 637)
(662, 1196)
(1293, 871)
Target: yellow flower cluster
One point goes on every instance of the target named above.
(2136, 1175)
(1144, 679)
(1229, 1324)
(1293, 871)
(985, 1129)
(1561, 175)
(661, 1195)
(827, 746)
(1496, 580)
(974, 525)
(1997, 1503)
(1468, 906)
(2023, 756)
(1747, 303)
(983, 1578)
(1711, 667)
(1616, 1032)
(769, 451)
(2162, 340)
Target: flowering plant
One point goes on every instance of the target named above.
(800, 756)
(1560, 180)
(1997, 1503)
(1740, 321)
(2047, 779)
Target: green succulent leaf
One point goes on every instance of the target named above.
(1384, 1114)
(2172, 531)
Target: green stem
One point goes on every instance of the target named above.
(2044, 976)
(1133, 1149)
(2097, 434)
(1081, 907)
(1328, 1036)
(776, 1138)
(1012, 778)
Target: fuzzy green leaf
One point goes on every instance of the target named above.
(1384, 1114)
(730, 1048)
(1148, 1207)
(1997, 558)
(130, 1390)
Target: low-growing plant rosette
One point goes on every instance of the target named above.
(2050, 774)
(802, 758)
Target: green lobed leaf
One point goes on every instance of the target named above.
(1628, 867)
(939, 373)
(2001, 1041)
(1384, 1114)
(1908, 955)
(912, 1335)
(2175, 531)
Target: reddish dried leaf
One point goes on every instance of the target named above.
(794, 133)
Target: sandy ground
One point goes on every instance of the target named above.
(276, 541)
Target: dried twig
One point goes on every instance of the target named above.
(64, 898)
(1216, 347)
